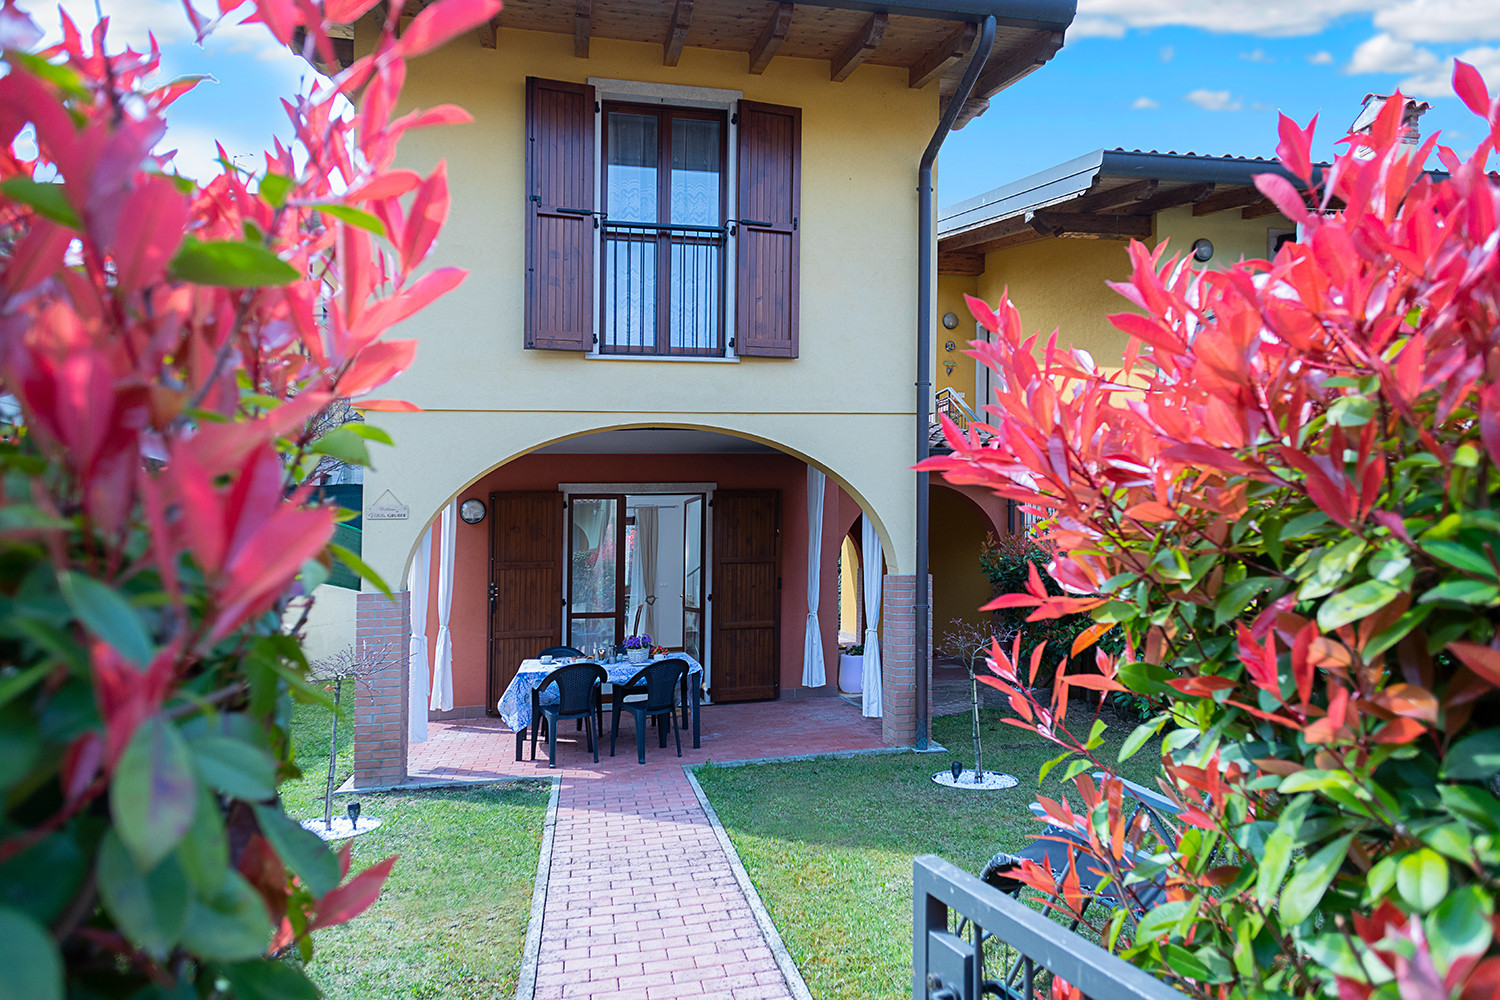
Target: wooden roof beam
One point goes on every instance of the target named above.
(583, 19)
(983, 234)
(931, 66)
(1124, 196)
(1259, 209)
(1119, 227)
(489, 32)
(682, 19)
(1163, 200)
(857, 49)
(771, 37)
(1221, 201)
(960, 262)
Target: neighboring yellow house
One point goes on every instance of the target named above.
(698, 269)
(1052, 240)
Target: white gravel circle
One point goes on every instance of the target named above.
(992, 781)
(341, 828)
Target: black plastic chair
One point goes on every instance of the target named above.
(577, 698)
(560, 651)
(650, 694)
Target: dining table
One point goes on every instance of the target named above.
(515, 702)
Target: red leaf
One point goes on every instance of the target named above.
(443, 21)
(1470, 88)
(1294, 148)
(1199, 687)
(386, 405)
(1283, 194)
(1400, 731)
(353, 897)
(1483, 660)
(377, 365)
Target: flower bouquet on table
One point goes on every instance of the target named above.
(638, 648)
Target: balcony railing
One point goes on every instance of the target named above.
(998, 946)
(951, 405)
(663, 290)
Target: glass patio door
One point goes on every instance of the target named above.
(596, 572)
(692, 578)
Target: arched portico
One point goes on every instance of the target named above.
(730, 460)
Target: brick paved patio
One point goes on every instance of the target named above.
(642, 903)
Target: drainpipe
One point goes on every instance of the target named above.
(927, 237)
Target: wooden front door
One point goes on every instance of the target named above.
(526, 583)
(746, 595)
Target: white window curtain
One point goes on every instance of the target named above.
(873, 574)
(813, 674)
(442, 672)
(647, 541)
(416, 651)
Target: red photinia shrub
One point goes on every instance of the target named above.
(166, 345)
(1287, 502)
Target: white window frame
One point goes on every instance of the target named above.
(672, 95)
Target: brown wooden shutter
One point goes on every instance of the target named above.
(559, 215)
(746, 595)
(769, 204)
(526, 583)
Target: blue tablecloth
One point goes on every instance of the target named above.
(515, 703)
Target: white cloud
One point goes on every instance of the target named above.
(1323, 58)
(1095, 27)
(1385, 54)
(1438, 81)
(1441, 20)
(1144, 103)
(1214, 100)
(1265, 18)
(1257, 56)
(1167, 53)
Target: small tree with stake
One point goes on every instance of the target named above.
(969, 643)
(352, 663)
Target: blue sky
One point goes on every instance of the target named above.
(1201, 75)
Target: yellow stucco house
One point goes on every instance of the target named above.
(1052, 240)
(701, 244)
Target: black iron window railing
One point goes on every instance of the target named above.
(663, 289)
(970, 940)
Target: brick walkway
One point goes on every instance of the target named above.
(641, 899)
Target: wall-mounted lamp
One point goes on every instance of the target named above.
(950, 321)
(472, 511)
(1203, 250)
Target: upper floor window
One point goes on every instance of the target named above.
(678, 239)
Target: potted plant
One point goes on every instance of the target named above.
(638, 648)
(852, 669)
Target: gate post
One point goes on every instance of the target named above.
(381, 701)
(898, 661)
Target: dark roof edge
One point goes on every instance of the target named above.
(1189, 167)
(1054, 15)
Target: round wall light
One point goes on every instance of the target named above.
(950, 321)
(472, 511)
(1203, 250)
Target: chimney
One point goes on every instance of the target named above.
(1370, 110)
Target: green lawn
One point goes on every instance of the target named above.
(452, 918)
(830, 843)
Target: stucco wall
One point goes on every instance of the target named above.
(847, 404)
(959, 527)
(951, 290)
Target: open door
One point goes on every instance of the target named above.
(596, 572)
(526, 583)
(746, 595)
(692, 577)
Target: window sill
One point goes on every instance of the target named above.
(594, 356)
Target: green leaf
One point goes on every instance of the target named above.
(204, 851)
(1359, 601)
(1140, 736)
(1160, 919)
(1047, 767)
(47, 199)
(231, 926)
(1460, 926)
(1278, 851)
(1310, 880)
(274, 189)
(235, 768)
(1453, 840)
(1422, 879)
(108, 615)
(300, 850)
(269, 979)
(1147, 678)
(154, 793)
(1076, 768)
(354, 216)
(371, 433)
(1179, 738)
(28, 954)
(151, 908)
(1096, 734)
(1234, 599)
(357, 564)
(60, 76)
(1473, 758)
(1388, 637)
(43, 879)
(232, 264)
(1351, 411)
(1461, 556)
(1463, 592)
(343, 444)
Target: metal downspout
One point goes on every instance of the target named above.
(927, 239)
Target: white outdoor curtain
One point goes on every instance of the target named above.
(442, 671)
(646, 543)
(813, 674)
(873, 571)
(417, 658)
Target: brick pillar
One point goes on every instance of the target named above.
(381, 706)
(898, 659)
